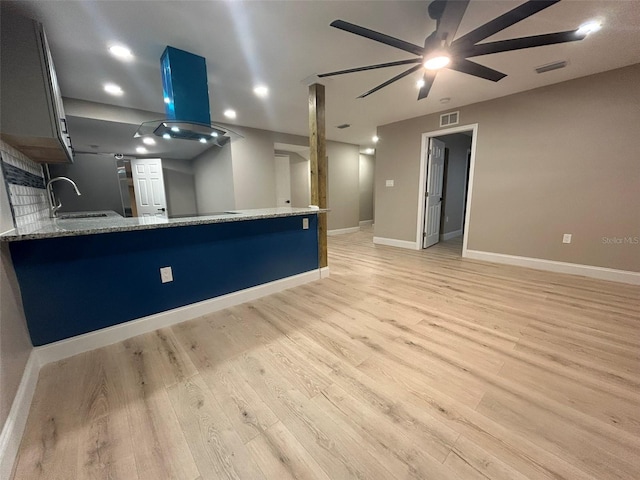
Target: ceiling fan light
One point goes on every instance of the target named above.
(436, 63)
(420, 83)
(589, 27)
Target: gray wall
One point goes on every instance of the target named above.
(367, 166)
(180, 190)
(453, 214)
(213, 175)
(179, 187)
(343, 185)
(97, 180)
(254, 174)
(558, 159)
(15, 344)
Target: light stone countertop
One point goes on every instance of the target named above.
(113, 222)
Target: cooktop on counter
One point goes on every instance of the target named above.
(211, 214)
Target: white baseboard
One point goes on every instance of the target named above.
(450, 235)
(13, 429)
(601, 273)
(364, 223)
(340, 231)
(117, 333)
(392, 242)
(324, 272)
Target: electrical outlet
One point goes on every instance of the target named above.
(166, 274)
(305, 224)
(566, 238)
(446, 219)
(389, 183)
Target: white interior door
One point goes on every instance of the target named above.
(433, 195)
(148, 185)
(283, 181)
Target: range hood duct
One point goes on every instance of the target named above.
(186, 100)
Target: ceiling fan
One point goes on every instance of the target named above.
(440, 50)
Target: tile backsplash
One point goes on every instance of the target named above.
(24, 180)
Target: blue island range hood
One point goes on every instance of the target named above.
(186, 100)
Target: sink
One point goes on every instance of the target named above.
(67, 216)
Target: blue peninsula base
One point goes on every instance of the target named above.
(79, 284)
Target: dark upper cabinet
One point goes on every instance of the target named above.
(31, 112)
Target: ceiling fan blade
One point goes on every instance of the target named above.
(389, 82)
(450, 20)
(378, 37)
(428, 78)
(504, 21)
(524, 42)
(467, 66)
(372, 67)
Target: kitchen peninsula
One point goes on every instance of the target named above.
(79, 275)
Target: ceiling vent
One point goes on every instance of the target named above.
(551, 66)
(451, 118)
(344, 125)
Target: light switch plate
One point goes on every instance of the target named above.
(305, 224)
(166, 274)
(389, 183)
(566, 238)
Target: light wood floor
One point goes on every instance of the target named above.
(401, 365)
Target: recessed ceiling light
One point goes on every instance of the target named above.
(420, 83)
(261, 91)
(148, 141)
(113, 89)
(435, 63)
(369, 151)
(121, 52)
(589, 27)
(230, 113)
(203, 140)
(375, 139)
(175, 129)
(166, 136)
(141, 150)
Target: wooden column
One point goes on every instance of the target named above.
(318, 146)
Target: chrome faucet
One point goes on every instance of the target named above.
(53, 210)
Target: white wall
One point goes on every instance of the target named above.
(213, 174)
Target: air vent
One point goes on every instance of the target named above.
(344, 125)
(451, 118)
(551, 66)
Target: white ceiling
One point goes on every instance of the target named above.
(282, 43)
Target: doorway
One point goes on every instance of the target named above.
(283, 180)
(148, 185)
(446, 177)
